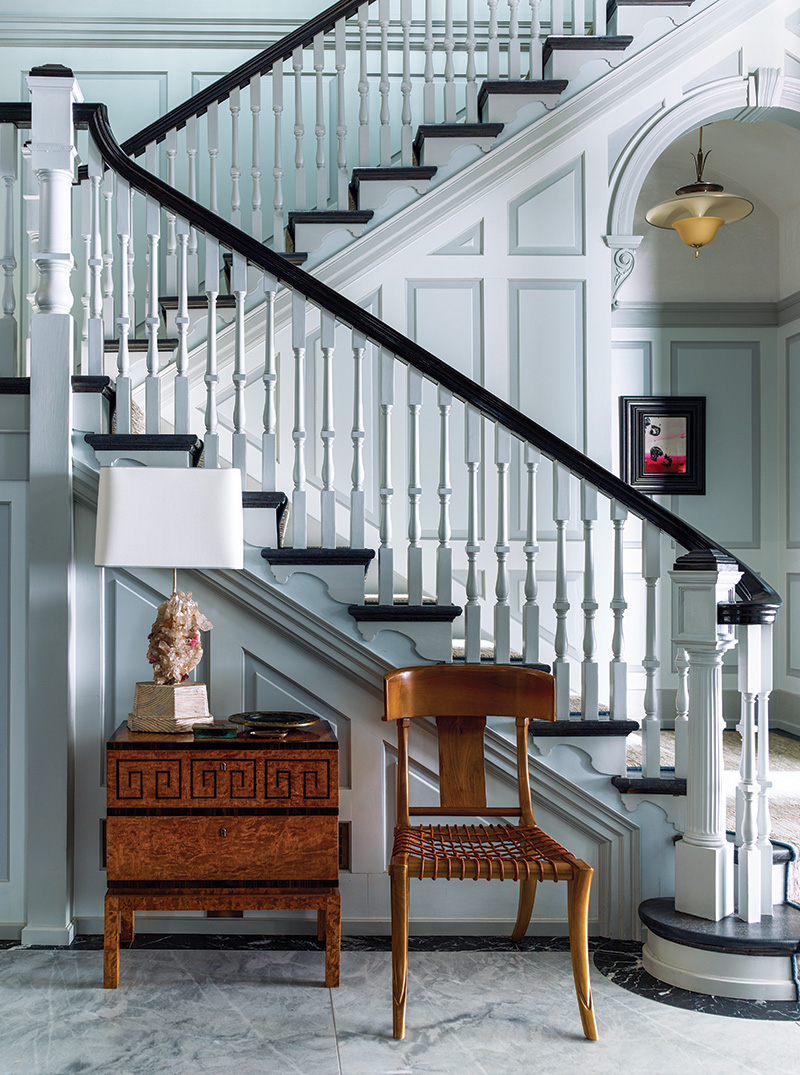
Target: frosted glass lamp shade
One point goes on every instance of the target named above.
(164, 517)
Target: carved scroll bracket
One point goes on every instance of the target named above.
(624, 247)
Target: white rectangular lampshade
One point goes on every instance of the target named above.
(164, 517)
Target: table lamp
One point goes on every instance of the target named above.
(177, 518)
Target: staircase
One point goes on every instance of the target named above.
(221, 279)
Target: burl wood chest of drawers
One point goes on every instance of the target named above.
(236, 824)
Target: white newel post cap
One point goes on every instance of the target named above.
(54, 89)
(704, 580)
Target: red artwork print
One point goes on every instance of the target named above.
(664, 445)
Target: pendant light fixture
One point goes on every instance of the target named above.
(699, 210)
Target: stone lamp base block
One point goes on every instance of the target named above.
(168, 707)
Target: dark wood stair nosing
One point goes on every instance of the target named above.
(146, 442)
(405, 613)
(501, 86)
(612, 5)
(415, 171)
(583, 728)
(15, 386)
(329, 216)
(316, 557)
(775, 935)
(649, 785)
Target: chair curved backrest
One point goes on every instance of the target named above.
(459, 698)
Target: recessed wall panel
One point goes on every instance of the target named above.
(792, 433)
(548, 218)
(727, 374)
(793, 624)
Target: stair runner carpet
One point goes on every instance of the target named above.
(784, 751)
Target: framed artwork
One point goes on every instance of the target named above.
(663, 443)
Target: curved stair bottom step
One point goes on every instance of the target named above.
(729, 958)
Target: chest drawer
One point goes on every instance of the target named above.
(222, 848)
(161, 779)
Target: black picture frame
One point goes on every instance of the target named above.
(653, 429)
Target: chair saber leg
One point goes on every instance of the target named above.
(527, 896)
(578, 889)
(400, 901)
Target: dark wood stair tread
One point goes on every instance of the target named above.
(405, 613)
(146, 442)
(139, 346)
(581, 728)
(319, 557)
(525, 86)
(774, 935)
(649, 785)
(330, 216)
(616, 43)
(197, 302)
(415, 171)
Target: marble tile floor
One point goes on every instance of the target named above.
(259, 1010)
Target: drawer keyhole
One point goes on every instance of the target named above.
(223, 766)
(223, 832)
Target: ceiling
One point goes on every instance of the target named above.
(762, 159)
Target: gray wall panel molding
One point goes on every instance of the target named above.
(569, 210)
(699, 314)
(733, 438)
(792, 592)
(792, 431)
(788, 309)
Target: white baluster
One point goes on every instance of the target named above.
(530, 610)
(342, 175)
(764, 782)
(257, 218)
(123, 321)
(299, 517)
(749, 869)
(212, 132)
(429, 90)
(363, 89)
(86, 235)
(30, 201)
(319, 126)
(472, 83)
(472, 609)
(589, 669)
(414, 488)
(269, 438)
(328, 432)
(385, 130)
(234, 106)
(651, 726)
(536, 40)
(600, 14)
(493, 46)
(191, 154)
(239, 289)
(557, 17)
(278, 220)
(182, 327)
(132, 322)
(357, 436)
(8, 326)
(211, 377)
(449, 65)
(95, 309)
(514, 50)
(561, 514)
(502, 608)
(618, 671)
(578, 18)
(109, 323)
(444, 551)
(152, 389)
(171, 144)
(682, 714)
(406, 133)
(386, 552)
(299, 131)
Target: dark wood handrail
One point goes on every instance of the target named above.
(237, 79)
(758, 601)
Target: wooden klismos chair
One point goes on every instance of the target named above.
(460, 698)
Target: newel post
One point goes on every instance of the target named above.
(704, 858)
(51, 702)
